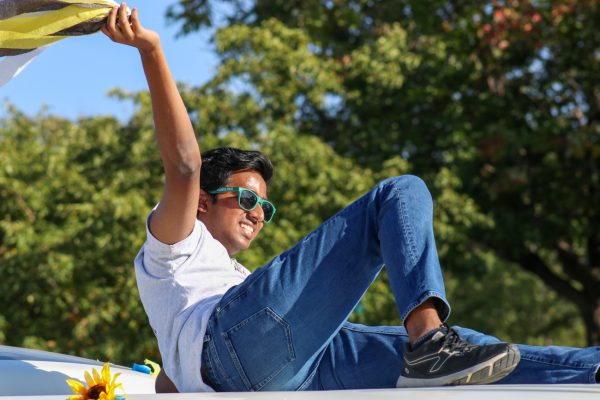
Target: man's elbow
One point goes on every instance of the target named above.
(188, 169)
(189, 165)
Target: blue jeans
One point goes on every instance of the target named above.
(285, 327)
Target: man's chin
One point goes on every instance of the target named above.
(246, 244)
(241, 246)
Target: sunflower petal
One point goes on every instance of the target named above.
(97, 377)
(75, 386)
(76, 397)
(114, 379)
(106, 373)
(88, 379)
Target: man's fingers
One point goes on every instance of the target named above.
(111, 22)
(129, 30)
(124, 22)
(135, 21)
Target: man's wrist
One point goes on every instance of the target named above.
(151, 52)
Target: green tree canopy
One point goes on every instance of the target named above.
(503, 94)
(494, 104)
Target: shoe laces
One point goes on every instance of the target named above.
(453, 342)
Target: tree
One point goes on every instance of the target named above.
(490, 111)
(501, 94)
(72, 198)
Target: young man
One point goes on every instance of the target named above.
(284, 326)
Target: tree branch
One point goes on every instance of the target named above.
(532, 262)
(572, 266)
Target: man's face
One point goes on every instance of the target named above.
(226, 221)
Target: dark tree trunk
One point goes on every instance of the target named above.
(591, 318)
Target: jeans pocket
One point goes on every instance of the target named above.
(260, 347)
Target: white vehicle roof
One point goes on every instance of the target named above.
(26, 372)
(38, 375)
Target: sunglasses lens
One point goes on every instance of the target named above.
(268, 210)
(248, 200)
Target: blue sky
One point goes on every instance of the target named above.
(71, 78)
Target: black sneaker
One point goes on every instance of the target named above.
(446, 359)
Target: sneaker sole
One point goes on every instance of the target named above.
(488, 371)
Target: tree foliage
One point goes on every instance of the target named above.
(72, 197)
(494, 104)
(503, 95)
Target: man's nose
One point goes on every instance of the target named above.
(257, 214)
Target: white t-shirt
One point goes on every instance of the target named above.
(180, 285)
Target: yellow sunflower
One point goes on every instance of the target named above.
(99, 386)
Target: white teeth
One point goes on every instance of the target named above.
(247, 228)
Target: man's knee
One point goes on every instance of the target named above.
(408, 184)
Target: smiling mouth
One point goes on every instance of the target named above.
(248, 229)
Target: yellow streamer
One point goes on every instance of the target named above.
(37, 29)
(21, 32)
(108, 3)
(49, 22)
(14, 40)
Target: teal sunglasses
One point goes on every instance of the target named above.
(248, 200)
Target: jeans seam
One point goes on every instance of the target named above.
(566, 365)
(222, 307)
(307, 380)
(371, 330)
(236, 361)
(407, 230)
(213, 360)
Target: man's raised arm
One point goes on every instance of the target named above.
(175, 216)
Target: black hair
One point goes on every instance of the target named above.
(218, 165)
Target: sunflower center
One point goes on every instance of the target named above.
(94, 391)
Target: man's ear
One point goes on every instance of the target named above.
(203, 202)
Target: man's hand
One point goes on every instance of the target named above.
(120, 29)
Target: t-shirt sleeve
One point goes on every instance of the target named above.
(161, 259)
